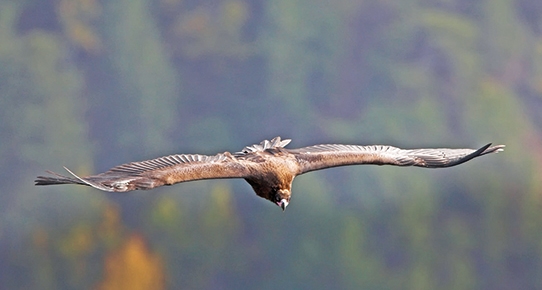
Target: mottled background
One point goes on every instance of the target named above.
(90, 84)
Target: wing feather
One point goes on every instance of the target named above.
(331, 155)
(153, 173)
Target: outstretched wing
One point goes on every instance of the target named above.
(153, 173)
(331, 155)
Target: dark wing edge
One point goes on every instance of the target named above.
(58, 179)
(153, 173)
(331, 155)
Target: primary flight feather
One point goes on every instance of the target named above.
(268, 167)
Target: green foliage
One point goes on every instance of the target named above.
(147, 82)
(362, 268)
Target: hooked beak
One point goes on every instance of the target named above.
(283, 203)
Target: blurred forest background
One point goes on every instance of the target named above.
(91, 84)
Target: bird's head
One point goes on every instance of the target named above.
(275, 188)
(276, 193)
(280, 197)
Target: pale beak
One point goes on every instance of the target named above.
(283, 203)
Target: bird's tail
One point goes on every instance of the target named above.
(58, 179)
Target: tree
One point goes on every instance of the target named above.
(133, 266)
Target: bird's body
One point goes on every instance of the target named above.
(268, 167)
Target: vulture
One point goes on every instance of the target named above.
(268, 167)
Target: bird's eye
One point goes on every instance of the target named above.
(277, 197)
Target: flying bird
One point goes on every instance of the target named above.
(268, 167)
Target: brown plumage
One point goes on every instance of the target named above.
(268, 167)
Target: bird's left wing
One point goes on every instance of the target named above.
(153, 173)
(332, 155)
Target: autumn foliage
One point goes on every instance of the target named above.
(133, 266)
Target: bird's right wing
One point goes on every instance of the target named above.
(153, 173)
(332, 155)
